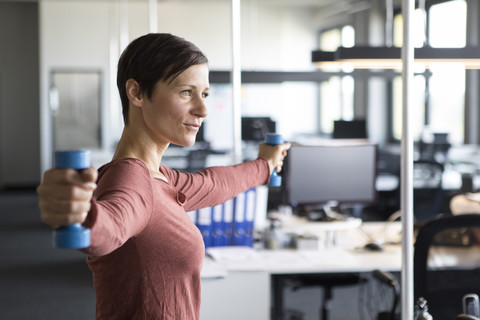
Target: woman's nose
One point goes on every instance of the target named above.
(200, 108)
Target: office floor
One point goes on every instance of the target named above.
(39, 282)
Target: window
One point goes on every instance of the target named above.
(418, 110)
(452, 34)
(447, 84)
(336, 94)
(439, 98)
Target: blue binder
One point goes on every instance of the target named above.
(217, 226)
(239, 220)
(227, 222)
(250, 211)
(204, 224)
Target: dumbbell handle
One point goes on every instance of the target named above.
(274, 139)
(73, 236)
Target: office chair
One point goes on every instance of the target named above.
(389, 280)
(437, 150)
(446, 263)
(471, 308)
(427, 189)
(388, 164)
(466, 317)
(327, 282)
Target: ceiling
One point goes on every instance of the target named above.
(295, 3)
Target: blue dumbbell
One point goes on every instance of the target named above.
(74, 236)
(274, 139)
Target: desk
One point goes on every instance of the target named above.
(326, 232)
(244, 277)
(451, 180)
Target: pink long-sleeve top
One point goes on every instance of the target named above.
(146, 254)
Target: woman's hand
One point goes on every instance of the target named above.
(64, 196)
(274, 155)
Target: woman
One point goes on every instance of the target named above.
(145, 253)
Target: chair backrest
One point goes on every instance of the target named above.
(427, 174)
(447, 262)
(428, 194)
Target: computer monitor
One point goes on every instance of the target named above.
(201, 134)
(315, 175)
(255, 128)
(354, 129)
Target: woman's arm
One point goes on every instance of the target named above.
(115, 210)
(216, 185)
(121, 206)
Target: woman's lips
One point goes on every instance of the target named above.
(193, 126)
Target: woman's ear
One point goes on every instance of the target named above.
(134, 93)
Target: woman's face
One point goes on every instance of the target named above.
(177, 109)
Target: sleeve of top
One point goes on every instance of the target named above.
(121, 206)
(216, 185)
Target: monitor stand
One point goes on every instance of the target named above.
(330, 211)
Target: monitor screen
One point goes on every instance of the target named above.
(256, 128)
(201, 133)
(355, 129)
(318, 174)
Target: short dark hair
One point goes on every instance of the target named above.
(154, 57)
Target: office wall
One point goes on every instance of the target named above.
(273, 37)
(76, 35)
(19, 95)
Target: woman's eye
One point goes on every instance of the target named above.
(186, 93)
(205, 95)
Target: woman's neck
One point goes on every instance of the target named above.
(138, 146)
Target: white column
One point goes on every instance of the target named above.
(153, 16)
(236, 79)
(407, 163)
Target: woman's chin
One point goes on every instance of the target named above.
(185, 143)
